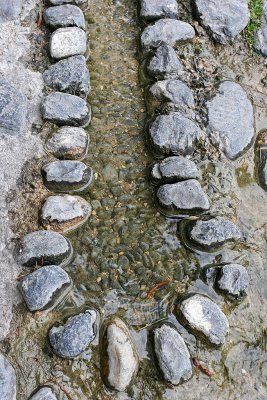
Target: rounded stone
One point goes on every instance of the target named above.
(59, 2)
(45, 393)
(8, 389)
(233, 279)
(64, 16)
(173, 169)
(44, 248)
(164, 63)
(151, 10)
(66, 42)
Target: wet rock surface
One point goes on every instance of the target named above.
(164, 64)
(233, 279)
(65, 109)
(173, 169)
(151, 10)
(70, 75)
(8, 389)
(44, 248)
(261, 36)
(64, 16)
(45, 393)
(118, 357)
(10, 10)
(231, 119)
(172, 354)
(12, 109)
(72, 338)
(224, 20)
(67, 42)
(204, 318)
(45, 287)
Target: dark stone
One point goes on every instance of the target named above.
(65, 109)
(261, 36)
(9, 10)
(151, 10)
(70, 76)
(63, 16)
(72, 338)
(173, 169)
(45, 393)
(233, 279)
(45, 287)
(67, 42)
(44, 248)
(164, 64)
(8, 389)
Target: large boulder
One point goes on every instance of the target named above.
(13, 109)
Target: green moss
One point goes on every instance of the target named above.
(256, 9)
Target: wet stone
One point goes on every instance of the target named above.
(9, 10)
(173, 169)
(45, 287)
(7, 380)
(167, 31)
(118, 357)
(231, 120)
(224, 19)
(59, 2)
(64, 16)
(67, 175)
(45, 393)
(172, 354)
(72, 338)
(44, 248)
(12, 110)
(70, 75)
(261, 36)
(151, 10)
(233, 279)
(164, 64)
(68, 143)
(173, 134)
(263, 175)
(67, 42)
(65, 109)
(64, 213)
(204, 318)
(181, 198)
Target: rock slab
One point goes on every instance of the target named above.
(173, 169)
(64, 16)
(261, 36)
(45, 393)
(233, 279)
(8, 389)
(151, 10)
(10, 10)
(164, 64)
(67, 42)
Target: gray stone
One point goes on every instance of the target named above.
(118, 357)
(12, 110)
(65, 109)
(224, 19)
(59, 2)
(173, 134)
(44, 248)
(168, 31)
(181, 198)
(67, 42)
(68, 143)
(204, 318)
(45, 393)
(7, 380)
(263, 175)
(231, 119)
(173, 169)
(10, 10)
(64, 213)
(45, 287)
(64, 16)
(233, 279)
(70, 75)
(261, 36)
(156, 9)
(165, 63)
(72, 338)
(67, 176)
(172, 354)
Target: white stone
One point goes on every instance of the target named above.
(67, 42)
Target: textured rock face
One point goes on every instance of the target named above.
(64, 213)
(7, 380)
(9, 10)
(224, 19)
(261, 37)
(44, 248)
(182, 197)
(45, 393)
(12, 110)
(45, 287)
(233, 279)
(118, 357)
(68, 143)
(151, 10)
(173, 134)
(165, 63)
(70, 76)
(67, 42)
(59, 2)
(231, 120)
(167, 31)
(65, 109)
(204, 317)
(173, 169)
(263, 175)
(72, 338)
(64, 16)
(172, 354)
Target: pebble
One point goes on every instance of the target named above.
(118, 357)
(151, 10)
(233, 279)
(59, 2)
(44, 248)
(66, 42)
(181, 198)
(164, 64)
(172, 354)
(13, 110)
(64, 16)
(70, 75)
(173, 169)
(67, 176)
(231, 119)
(205, 318)
(10, 10)
(45, 287)
(261, 36)
(173, 134)
(8, 389)
(63, 213)
(167, 31)
(223, 19)
(72, 338)
(45, 393)
(65, 109)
